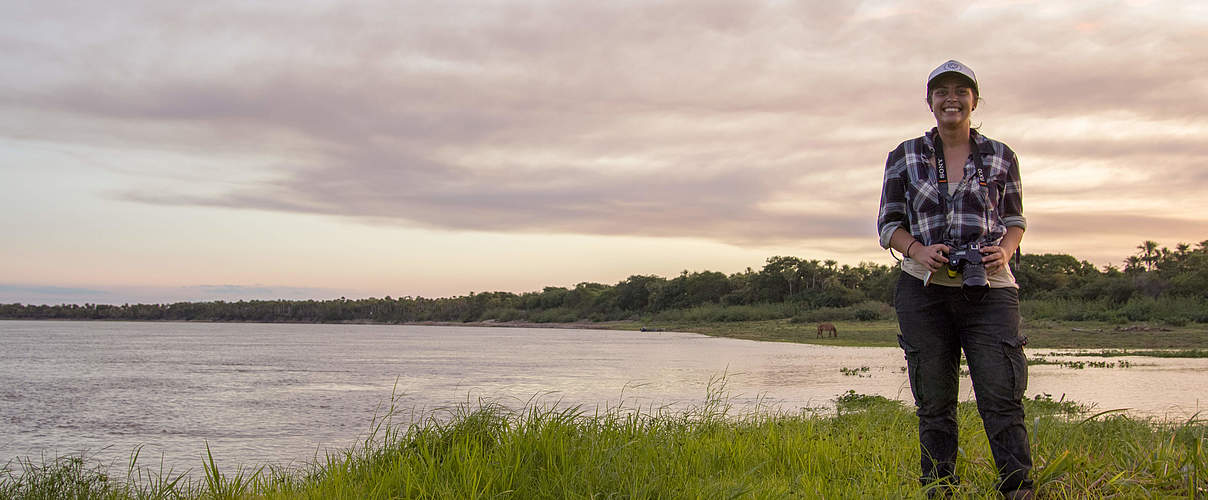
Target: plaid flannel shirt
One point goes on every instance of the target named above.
(910, 195)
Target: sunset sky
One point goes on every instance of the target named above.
(159, 151)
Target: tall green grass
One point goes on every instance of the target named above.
(1176, 311)
(798, 312)
(868, 310)
(726, 313)
(863, 447)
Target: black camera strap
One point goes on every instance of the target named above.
(941, 175)
(941, 171)
(972, 293)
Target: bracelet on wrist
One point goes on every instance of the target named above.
(911, 245)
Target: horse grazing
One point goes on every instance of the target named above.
(828, 327)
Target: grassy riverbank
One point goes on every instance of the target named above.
(883, 333)
(866, 448)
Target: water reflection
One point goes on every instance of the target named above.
(285, 393)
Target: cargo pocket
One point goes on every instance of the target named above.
(1018, 364)
(912, 367)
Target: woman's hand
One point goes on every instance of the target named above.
(994, 258)
(933, 257)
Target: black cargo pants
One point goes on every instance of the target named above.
(937, 322)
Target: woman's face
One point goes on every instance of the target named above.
(952, 101)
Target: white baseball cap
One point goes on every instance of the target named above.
(952, 66)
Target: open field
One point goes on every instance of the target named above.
(866, 448)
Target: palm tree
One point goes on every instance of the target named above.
(1150, 253)
(1181, 252)
(1132, 264)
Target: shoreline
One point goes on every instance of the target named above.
(577, 325)
(1048, 334)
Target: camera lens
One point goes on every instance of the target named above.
(974, 284)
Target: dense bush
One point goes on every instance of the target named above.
(1168, 309)
(722, 313)
(557, 315)
(1157, 284)
(864, 311)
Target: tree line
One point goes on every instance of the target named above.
(1154, 274)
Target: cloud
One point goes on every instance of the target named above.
(627, 118)
(1141, 227)
(724, 205)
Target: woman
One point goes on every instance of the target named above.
(954, 189)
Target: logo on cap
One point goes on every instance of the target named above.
(954, 65)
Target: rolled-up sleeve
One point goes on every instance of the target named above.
(1011, 209)
(892, 213)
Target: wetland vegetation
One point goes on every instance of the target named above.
(865, 447)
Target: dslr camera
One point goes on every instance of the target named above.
(967, 261)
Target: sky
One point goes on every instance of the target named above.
(156, 151)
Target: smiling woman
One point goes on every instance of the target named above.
(961, 219)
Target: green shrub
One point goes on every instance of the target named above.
(869, 310)
(1172, 310)
(1176, 321)
(727, 313)
(555, 315)
(503, 314)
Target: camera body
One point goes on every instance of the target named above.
(967, 261)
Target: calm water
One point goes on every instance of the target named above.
(280, 394)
